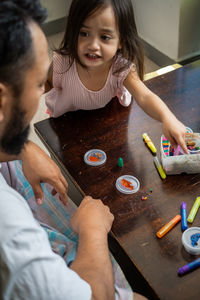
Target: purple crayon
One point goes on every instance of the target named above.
(189, 267)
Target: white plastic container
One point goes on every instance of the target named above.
(134, 184)
(187, 243)
(97, 154)
(185, 163)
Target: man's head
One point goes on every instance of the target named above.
(23, 69)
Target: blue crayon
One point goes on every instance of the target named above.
(189, 267)
(183, 216)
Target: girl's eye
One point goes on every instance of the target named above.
(83, 33)
(105, 37)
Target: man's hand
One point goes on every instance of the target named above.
(92, 221)
(38, 167)
(92, 215)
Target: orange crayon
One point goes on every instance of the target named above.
(167, 227)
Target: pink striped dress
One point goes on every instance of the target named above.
(69, 93)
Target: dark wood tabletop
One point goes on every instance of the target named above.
(118, 131)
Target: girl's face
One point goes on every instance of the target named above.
(98, 39)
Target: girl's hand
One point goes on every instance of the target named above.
(175, 132)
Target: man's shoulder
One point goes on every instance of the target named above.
(14, 211)
(10, 197)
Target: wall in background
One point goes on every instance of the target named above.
(57, 12)
(158, 24)
(171, 27)
(189, 35)
(57, 9)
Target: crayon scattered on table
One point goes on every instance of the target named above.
(159, 168)
(184, 225)
(149, 143)
(120, 162)
(167, 227)
(189, 267)
(194, 210)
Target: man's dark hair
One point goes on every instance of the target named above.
(16, 49)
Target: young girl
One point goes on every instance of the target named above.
(100, 57)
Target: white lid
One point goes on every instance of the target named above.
(95, 157)
(132, 182)
(188, 129)
(187, 241)
(194, 151)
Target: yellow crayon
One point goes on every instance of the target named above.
(194, 210)
(149, 143)
(167, 227)
(159, 168)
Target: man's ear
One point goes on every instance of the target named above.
(5, 96)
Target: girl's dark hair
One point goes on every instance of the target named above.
(16, 49)
(129, 39)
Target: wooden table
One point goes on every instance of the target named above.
(150, 263)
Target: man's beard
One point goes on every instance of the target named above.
(15, 135)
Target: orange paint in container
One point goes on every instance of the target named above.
(93, 158)
(127, 184)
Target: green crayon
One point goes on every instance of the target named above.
(194, 210)
(120, 162)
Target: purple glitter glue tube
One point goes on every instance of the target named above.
(189, 267)
(183, 216)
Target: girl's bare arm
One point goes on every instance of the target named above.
(173, 129)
